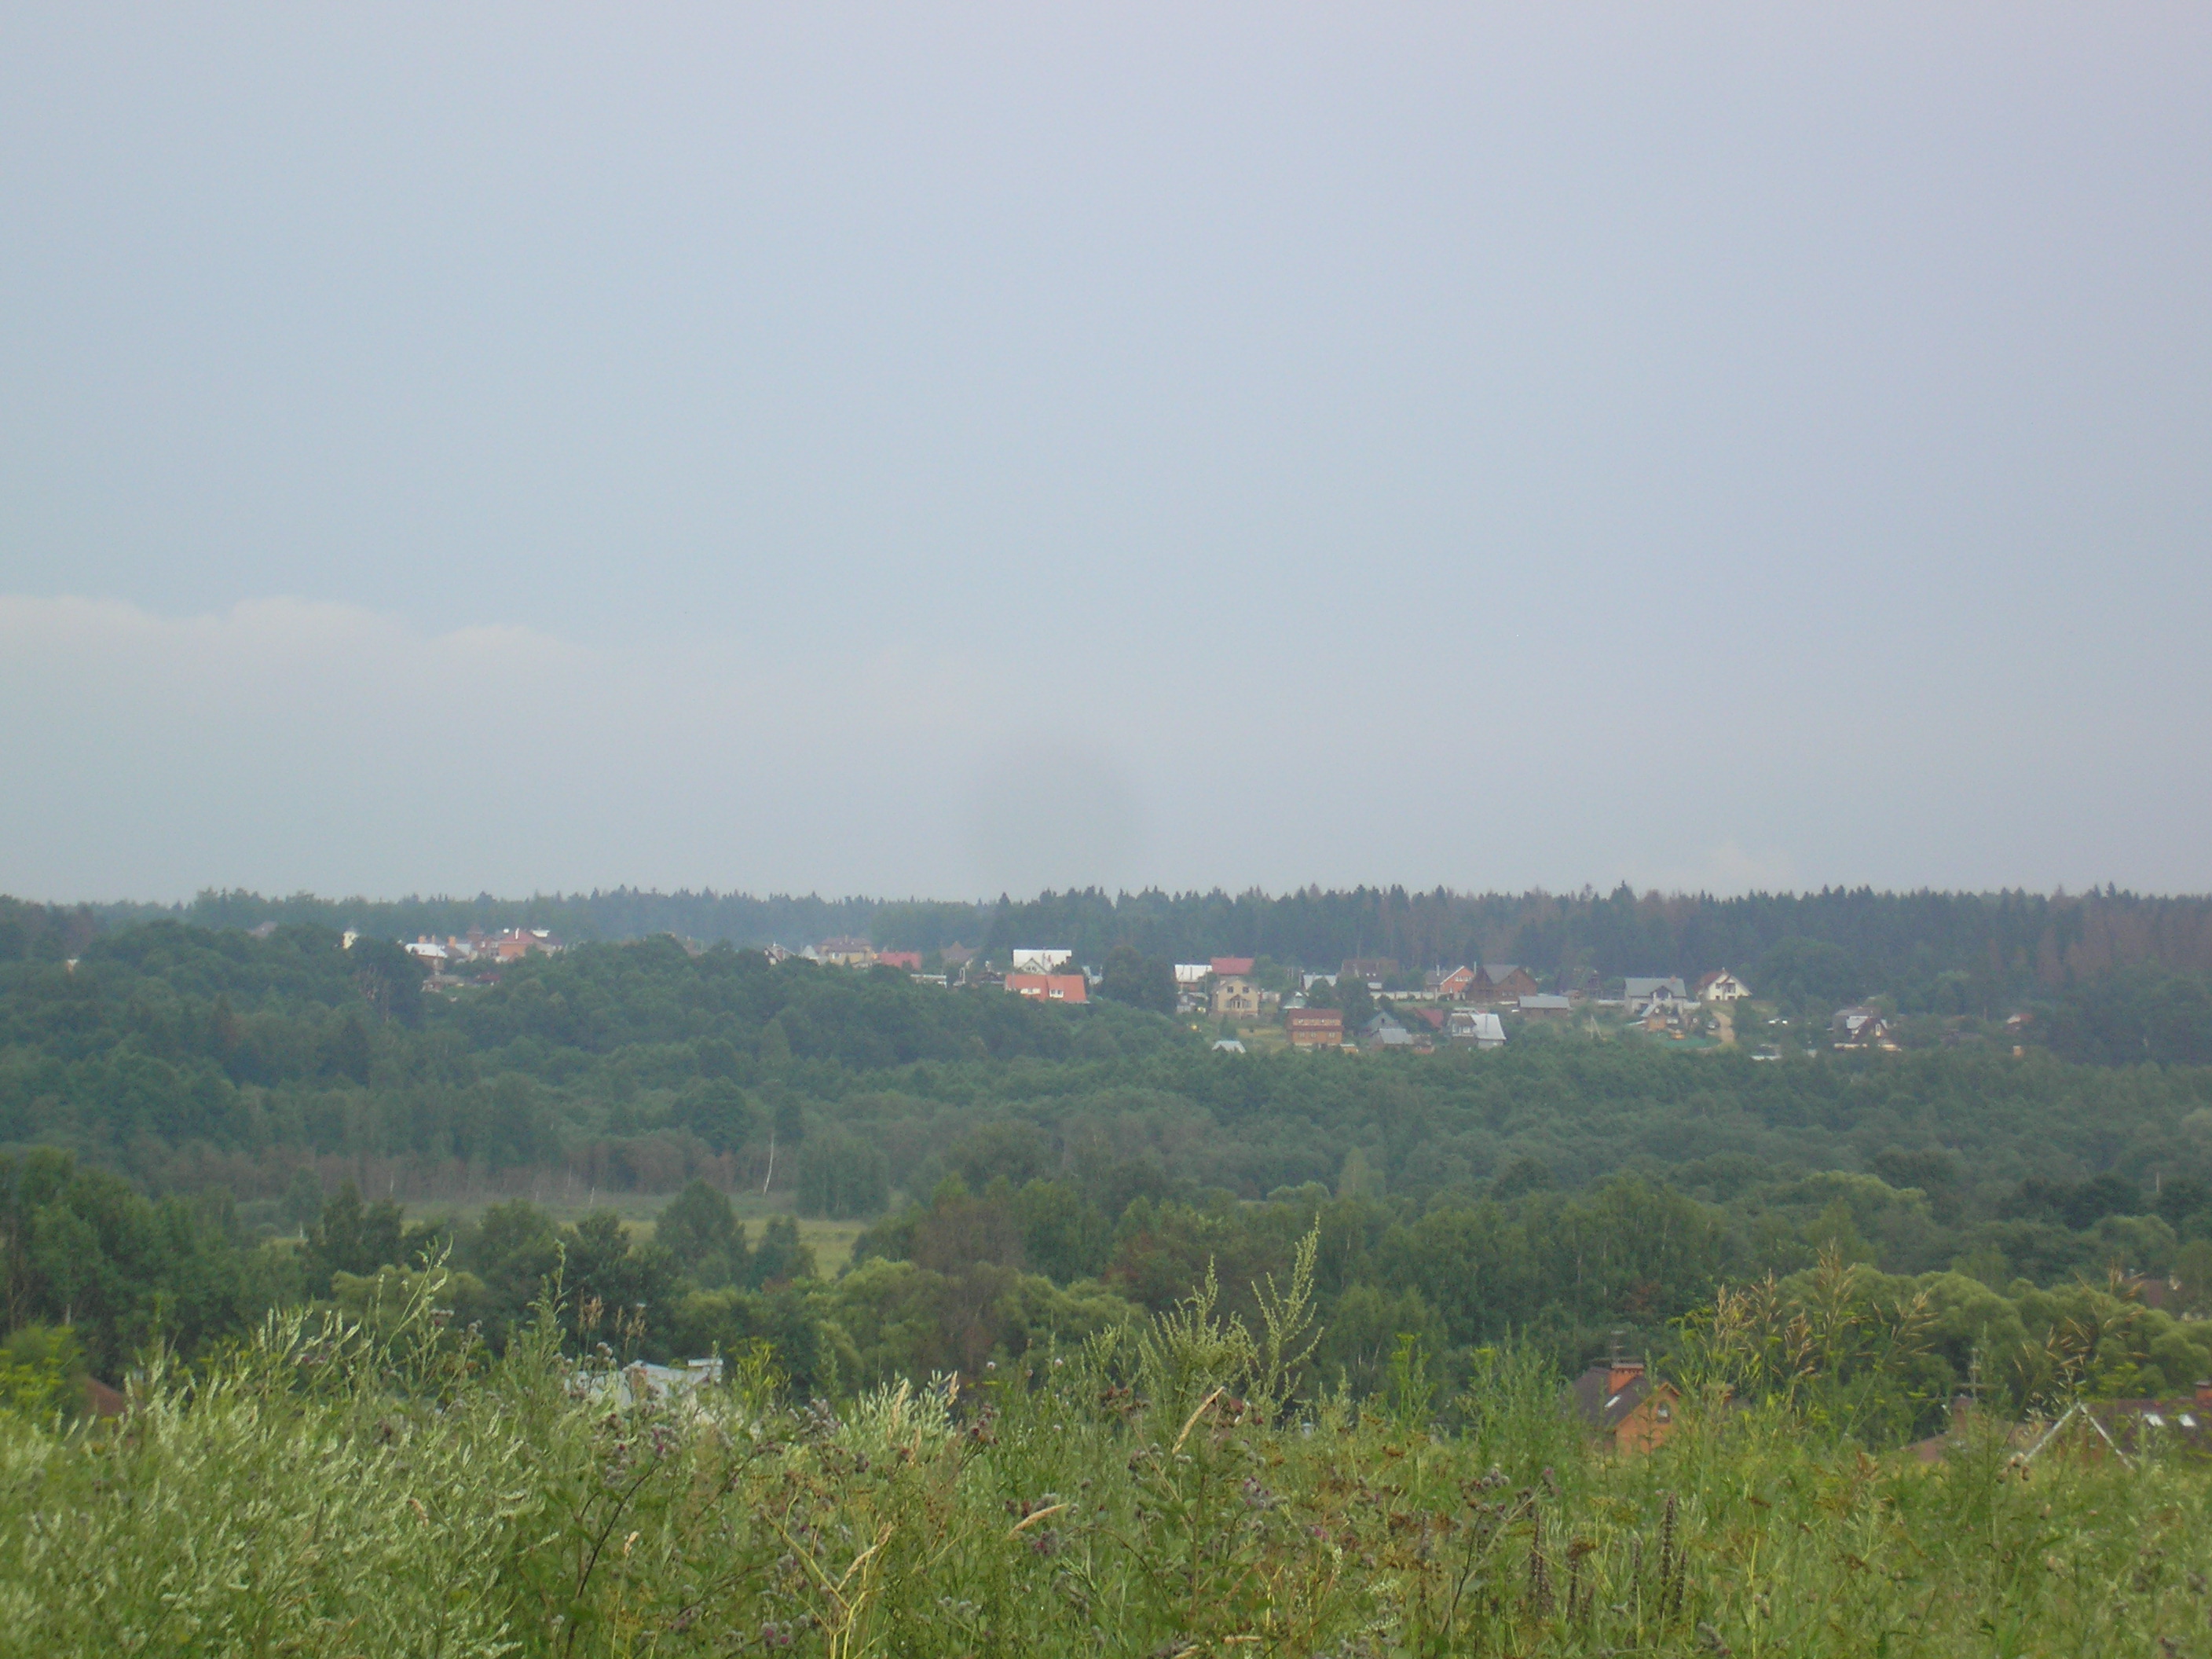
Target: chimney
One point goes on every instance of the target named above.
(1621, 1372)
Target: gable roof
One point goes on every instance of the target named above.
(1602, 1406)
(1641, 986)
(1226, 966)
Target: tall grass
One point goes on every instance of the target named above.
(385, 1489)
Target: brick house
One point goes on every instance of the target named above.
(1050, 987)
(1454, 986)
(1629, 1410)
(1315, 1028)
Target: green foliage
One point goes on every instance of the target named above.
(339, 1487)
(840, 1174)
(1140, 981)
(42, 1373)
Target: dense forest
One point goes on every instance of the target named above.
(199, 1124)
(1972, 948)
(1141, 1343)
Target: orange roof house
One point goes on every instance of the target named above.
(1050, 987)
(1631, 1410)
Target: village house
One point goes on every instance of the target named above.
(512, 943)
(1542, 1007)
(1722, 987)
(845, 952)
(1479, 1027)
(1231, 967)
(1578, 984)
(1029, 961)
(2129, 1428)
(1860, 1028)
(1315, 1028)
(1501, 982)
(1639, 990)
(1235, 997)
(910, 960)
(1451, 986)
(1629, 1410)
(1373, 969)
(1384, 1031)
(1050, 987)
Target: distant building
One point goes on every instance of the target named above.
(1315, 1028)
(1640, 988)
(1050, 987)
(1545, 1007)
(910, 960)
(1578, 984)
(516, 943)
(1722, 987)
(1041, 962)
(1630, 1410)
(1231, 967)
(1860, 1028)
(1193, 973)
(1235, 998)
(1479, 1027)
(1382, 1031)
(1454, 986)
(1228, 1046)
(1373, 969)
(1501, 982)
(845, 952)
(426, 949)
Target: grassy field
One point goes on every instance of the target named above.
(335, 1492)
(831, 1241)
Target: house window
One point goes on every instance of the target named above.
(1666, 1413)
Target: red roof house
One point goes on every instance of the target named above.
(1050, 987)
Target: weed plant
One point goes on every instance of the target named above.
(388, 1487)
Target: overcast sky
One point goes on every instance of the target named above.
(945, 449)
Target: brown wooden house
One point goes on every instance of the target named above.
(1501, 982)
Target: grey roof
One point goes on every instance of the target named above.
(1602, 1409)
(1644, 986)
(1543, 1004)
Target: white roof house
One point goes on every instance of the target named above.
(1480, 1026)
(1040, 962)
(1192, 972)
